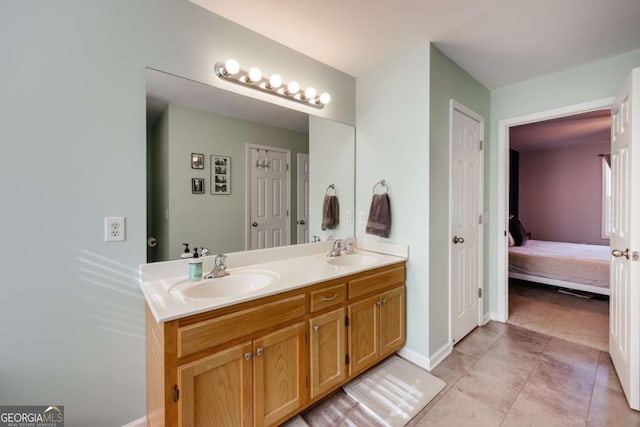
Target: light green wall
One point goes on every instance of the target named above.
(217, 222)
(332, 150)
(73, 101)
(392, 134)
(589, 82)
(447, 81)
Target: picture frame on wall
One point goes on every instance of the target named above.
(220, 174)
(197, 161)
(197, 185)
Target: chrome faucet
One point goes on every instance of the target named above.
(337, 249)
(219, 267)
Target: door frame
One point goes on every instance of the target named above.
(247, 190)
(502, 209)
(455, 105)
(300, 192)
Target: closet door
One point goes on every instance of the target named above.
(624, 316)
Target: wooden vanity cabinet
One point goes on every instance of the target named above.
(261, 362)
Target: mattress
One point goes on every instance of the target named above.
(571, 262)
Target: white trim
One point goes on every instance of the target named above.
(414, 357)
(502, 203)
(486, 318)
(560, 283)
(428, 363)
(140, 422)
(455, 105)
(247, 176)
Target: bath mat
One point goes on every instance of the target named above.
(394, 391)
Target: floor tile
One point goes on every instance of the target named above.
(496, 391)
(478, 342)
(453, 368)
(573, 354)
(497, 327)
(609, 408)
(528, 411)
(458, 409)
(606, 373)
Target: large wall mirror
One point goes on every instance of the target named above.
(232, 173)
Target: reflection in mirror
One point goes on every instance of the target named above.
(265, 175)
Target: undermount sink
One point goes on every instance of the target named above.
(234, 284)
(353, 260)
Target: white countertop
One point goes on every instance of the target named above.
(160, 282)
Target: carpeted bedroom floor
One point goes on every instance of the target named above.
(543, 309)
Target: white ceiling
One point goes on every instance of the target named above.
(499, 42)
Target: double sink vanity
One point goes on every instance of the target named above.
(285, 328)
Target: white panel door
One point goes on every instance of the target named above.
(269, 198)
(624, 300)
(303, 198)
(466, 228)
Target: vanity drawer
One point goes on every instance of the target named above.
(376, 282)
(219, 330)
(328, 297)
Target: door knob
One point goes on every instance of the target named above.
(618, 253)
(302, 222)
(254, 224)
(457, 240)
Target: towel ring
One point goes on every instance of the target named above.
(330, 187)
(382, 183)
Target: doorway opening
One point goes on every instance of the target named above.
(554, 251)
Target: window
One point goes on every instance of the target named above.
(606, 199)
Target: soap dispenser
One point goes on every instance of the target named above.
(186, 253)
(195, 266)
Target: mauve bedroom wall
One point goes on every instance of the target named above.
(561, 193)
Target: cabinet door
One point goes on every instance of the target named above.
(392, 321)
(327, 348)
(279, 382)
(216, 390)
(363, 334)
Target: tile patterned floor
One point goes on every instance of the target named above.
(504, 375)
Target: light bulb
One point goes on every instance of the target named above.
(325, 98)
(310, 93)
(275, 81)
(255, 74)
(293, 87)
(231, 67)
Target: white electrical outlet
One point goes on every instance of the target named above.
(363, 217)
(349, 217)
(114, 229)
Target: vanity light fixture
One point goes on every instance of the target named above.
(231, 71)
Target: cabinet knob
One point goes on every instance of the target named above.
(331, 298)
(384, 301)
(247, 356)
(260, 351)
(316, 328)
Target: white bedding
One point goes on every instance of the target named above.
(571, 262)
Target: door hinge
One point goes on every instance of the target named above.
(287, 212)
(480, 219)
(176, 393)
(635, 256)
(346, 320)
(479, 292)
(307, 382)
(287, 166)
(306, 337)
(481, 144)
(347, 359)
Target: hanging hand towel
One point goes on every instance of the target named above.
(379, 223)
(330, 212)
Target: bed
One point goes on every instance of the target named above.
(569, 265)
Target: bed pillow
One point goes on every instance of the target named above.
(518, 232)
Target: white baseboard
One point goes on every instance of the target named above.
(439, 355)
(494, 316)
(414, 357)
(140, 422)
(486, 318)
